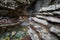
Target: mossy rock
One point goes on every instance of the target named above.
(19, 34)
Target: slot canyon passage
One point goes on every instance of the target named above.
(29, 19)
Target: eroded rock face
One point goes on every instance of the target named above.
(42, 30)
(41, 3)
(40, 26)
(46, 22)
(8, 4)
(11, 10)
(55, 30)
